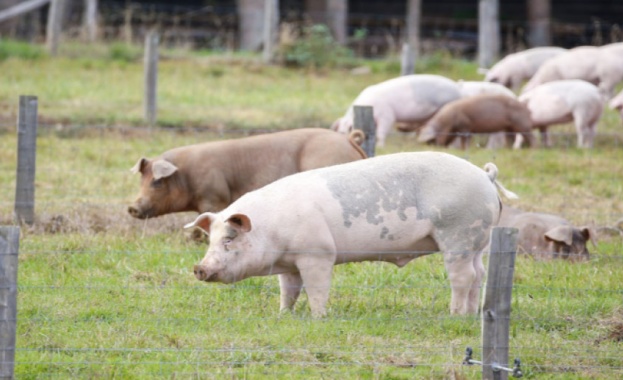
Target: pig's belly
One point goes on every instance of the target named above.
(393, 242)
(414, 112)
(547, 110)
(396, 254)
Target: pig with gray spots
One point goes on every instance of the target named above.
(391, 208)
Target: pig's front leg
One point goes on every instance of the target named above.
(316, 273)
(290, 285)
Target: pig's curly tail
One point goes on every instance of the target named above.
(492, 172)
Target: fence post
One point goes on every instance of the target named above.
(364, 120)
(151, 75)
(9, 247)
(496, 307)
(407, 60)
(26, 159)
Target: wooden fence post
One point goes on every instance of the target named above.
(9, 247)
(151, 76)
(26, 159)
(497, 303)
(364, 120)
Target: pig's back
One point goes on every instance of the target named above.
(399, 188)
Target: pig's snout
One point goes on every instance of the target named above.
(136, 212)
(133, 211)
(202, 273)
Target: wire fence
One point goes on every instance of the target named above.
(104, 295)
(373, 31)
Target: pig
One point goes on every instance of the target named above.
(471, 88)
(409, 100)
(210, 176)
(546, 236)
(391, 208)
(616, 104)
(477, 114)
(565, 101)
(515, 68)
(597, 65)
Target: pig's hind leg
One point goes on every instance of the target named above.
(465, 271)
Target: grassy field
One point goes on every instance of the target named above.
(102, 295)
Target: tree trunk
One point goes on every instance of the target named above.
(539, 12)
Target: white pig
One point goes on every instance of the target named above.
(616, 104)
(514, 68)
(391, 208)
(598, 65)
(472, 88)
(409, 99)
(564, 101)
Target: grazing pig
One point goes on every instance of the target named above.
(562, 102)
(546, 235)
(471, 88)
(514, 68)
(598, 65)
(616, 104)
(409, 100)
(391, 208)
(477, 114)
(210, 176)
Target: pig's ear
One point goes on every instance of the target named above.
(561, 234)
(203, 221)
(589, 234)
(240, 222)
(336, 124)
(140, 164)
(162, 169)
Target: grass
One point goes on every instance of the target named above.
(102, 295)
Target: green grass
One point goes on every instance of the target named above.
(102, 295)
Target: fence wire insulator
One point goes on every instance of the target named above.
(515, 371)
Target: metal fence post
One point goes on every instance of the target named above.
(151, 76)
(364, 120)
(26, 158)
(9, 247)
(496, 307)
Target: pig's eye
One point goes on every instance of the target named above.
(226, 243)
(156, 183)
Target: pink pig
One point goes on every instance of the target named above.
(598, 65)
(392, 208)
(616, 103)
(565, 101)
(410, 99)
(513, 69)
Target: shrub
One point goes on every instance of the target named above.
(315, 47)
(23, 50)
(123, 52)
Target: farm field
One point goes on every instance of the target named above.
(102, 295)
